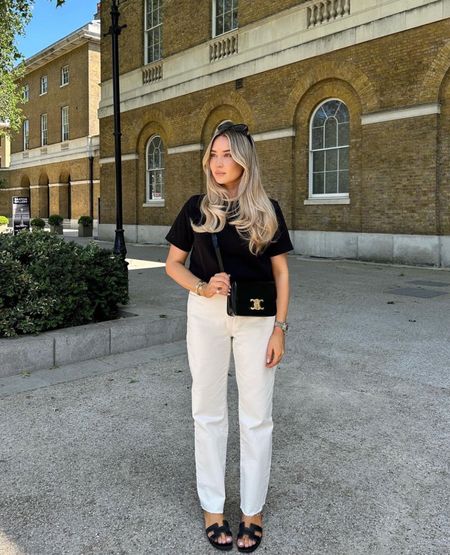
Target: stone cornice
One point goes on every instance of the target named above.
(88, 33)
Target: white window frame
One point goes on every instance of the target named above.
(149, 30)
(160, 169)
(43, 85)
(26, 134)
(214, 18)
(65, 76)
(65, 123)
(324, 196)
(44, 129)
(26, 93)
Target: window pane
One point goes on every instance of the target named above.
(317, 137)
(318, 161)
(157, 191)
(227, 22)
(343, 181)
(219, 7)
(331, 160)
(318, 183)
(330, 107)
(319, 118)
(155, 18)
(235, 19)
(331, 182)
(342, 113)
(343, 158)
(219, 25)
(330, 133)
(151, 186)
(228, 5)
(343, 137)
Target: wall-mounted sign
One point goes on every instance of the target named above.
(20, 213)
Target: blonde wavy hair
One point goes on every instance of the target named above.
(251, 211)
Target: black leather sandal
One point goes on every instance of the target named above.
(250, 532)
(217, 531)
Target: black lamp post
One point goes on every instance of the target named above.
(114, 31)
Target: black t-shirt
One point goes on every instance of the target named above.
(238, 261)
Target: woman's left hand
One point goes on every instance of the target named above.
(275, 348)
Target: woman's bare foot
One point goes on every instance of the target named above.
(213, 518)
(245, 541)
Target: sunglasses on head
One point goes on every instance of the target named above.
(237, 127)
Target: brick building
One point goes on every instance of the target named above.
(348, 101)
(54, 159)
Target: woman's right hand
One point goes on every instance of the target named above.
(219, 284)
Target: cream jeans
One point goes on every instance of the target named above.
(210, 335)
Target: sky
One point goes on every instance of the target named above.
(50, 24)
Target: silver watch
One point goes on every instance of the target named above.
(283, 325)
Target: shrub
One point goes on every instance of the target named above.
(37, 223)
(48, 283)
(4, 220)
(55, 219)
(85, 220)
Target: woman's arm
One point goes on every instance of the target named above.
(176, 269)
(281, 275)
(275, 347)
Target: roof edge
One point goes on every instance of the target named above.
(88, 33)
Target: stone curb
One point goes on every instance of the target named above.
(70, 345)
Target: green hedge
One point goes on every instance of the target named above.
(48, 283)
(38, 223)
(85, 220)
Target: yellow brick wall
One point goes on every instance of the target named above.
(251, 11)
(74, 95)
(131, 56)
(395, 167)
(185, 24)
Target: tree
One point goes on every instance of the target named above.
(14, 16)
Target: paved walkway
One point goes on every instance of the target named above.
(97, 458)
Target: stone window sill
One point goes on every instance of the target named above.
(342, 200)
(154, 203)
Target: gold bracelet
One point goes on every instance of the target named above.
(199, 285)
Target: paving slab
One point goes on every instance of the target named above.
(97, 457)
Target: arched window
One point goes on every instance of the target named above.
(329, 150)
(154, 169)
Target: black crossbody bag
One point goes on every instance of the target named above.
(249, 298)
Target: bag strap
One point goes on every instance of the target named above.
(216, 248)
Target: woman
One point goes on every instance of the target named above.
(254, 242)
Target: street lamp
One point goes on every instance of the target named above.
(114, 31)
